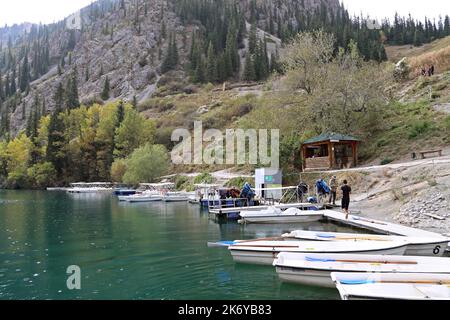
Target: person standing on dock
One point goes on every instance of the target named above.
(346, 190)
(333, 189)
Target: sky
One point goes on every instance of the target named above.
(45, 11)
(48, 11)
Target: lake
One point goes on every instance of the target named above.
(152, 251)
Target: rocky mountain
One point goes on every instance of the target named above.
(124, 43)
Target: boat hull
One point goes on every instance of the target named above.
(417, 246)
(267, 257)
(308, 277)
(304, 218)
(181, 199)
(144, 199)
(434, 249)
(392, 286)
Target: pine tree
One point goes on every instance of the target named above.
(72, 98)
(417, 39)
(211, 67)
(171, 60)
(249, 69)
(24, 78)
(56, 128)
(105, 92)
(12, 85)
(253, 39)
(2, 92)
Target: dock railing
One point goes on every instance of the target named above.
(228, 203)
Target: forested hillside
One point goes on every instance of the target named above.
(137, 69)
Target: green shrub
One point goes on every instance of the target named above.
(440, 86)
(447, 123)
(204, 178)
(382, 142)
(419, 128)
(239, 182)
(386, 161)
(183, 183)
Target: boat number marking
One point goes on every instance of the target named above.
(437, 250)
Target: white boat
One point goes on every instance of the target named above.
(276, 215)
(146, 196)
(417, 246)
(265, 252)
(392, 286)
(94, 187)
(316, 269)
(176, 197)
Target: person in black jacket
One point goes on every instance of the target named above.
(346, 190)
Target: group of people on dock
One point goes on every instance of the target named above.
(425, 71)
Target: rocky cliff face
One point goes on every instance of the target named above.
(124, 41)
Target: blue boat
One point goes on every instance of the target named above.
(124, 192)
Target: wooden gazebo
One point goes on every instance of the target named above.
(330, 151)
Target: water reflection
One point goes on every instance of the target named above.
(129, 251)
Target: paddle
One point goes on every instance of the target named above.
(358, 261)
(268, 246)
(231, 243)
(350, 237)
(359, 282)
(371, 221)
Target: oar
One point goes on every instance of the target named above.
(350, 237)
(220, 244)
(371, 221)
(231, 243)
(359, 261)
(359, 282)
(362, 238)
(260, 239)
(267, 246)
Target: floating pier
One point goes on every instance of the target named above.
(378, 226)
(219, 211)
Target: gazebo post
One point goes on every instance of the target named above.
(330, 154)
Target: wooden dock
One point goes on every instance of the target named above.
(378, 226)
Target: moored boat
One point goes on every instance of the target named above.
(124, 192)
(175, 197)
(316, 269)
(265, 252)
(94, 187)
(146, 196)
(392, 286)
(276, 215)
(417, 246)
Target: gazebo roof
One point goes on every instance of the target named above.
(330, 136)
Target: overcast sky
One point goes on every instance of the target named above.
(47, 11)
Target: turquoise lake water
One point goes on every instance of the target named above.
(152, 251)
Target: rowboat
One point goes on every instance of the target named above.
(315, 269)
(398, 286)
(265, 252)
(417, 246)
(276, 215)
